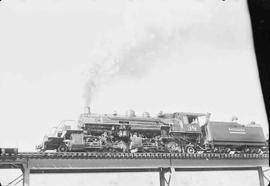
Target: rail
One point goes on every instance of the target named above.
(120, 155)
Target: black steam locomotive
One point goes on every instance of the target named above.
(177, 132)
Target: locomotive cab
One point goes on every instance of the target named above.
(181, 122)
(185, 129)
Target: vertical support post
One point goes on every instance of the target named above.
(162, 179)
(260, 172)
(172, 177)
(26, 175)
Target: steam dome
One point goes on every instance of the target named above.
(130, 113)
(146, 114)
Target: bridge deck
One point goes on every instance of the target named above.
(31, 162)
(88, 160)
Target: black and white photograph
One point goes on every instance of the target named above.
(134, 92)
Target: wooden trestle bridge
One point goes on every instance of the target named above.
(164, 163)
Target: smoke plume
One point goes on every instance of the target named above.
(147, 36)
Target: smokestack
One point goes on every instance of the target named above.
(87, 110)
(234, 119)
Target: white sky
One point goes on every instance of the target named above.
(172, 55)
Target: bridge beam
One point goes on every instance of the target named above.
(58, 163)
(162, 179)
(26, 175)
(260, 172)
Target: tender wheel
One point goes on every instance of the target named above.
(259, 151)
(62, 148)
(190, 150)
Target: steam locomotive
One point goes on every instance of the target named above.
(178, 132)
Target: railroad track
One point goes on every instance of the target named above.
(107, 155)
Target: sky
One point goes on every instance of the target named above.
(58, 56)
